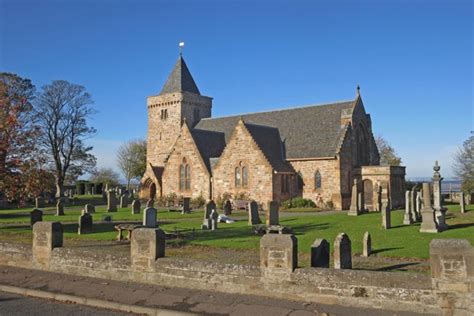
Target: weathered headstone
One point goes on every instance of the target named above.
(254, 218)
(207, 223)
(60, 207)
(367, 245)
(39, 202)
(428, 223)
(149, 217)
(418, 206)
(214, 219)
(272, 216)
(407, 219)
(342, 252)
(136, 207)
(150, 203)
(413, 204)
(462, 202)
(278, 252)
(361, 201)
(46, 236)
(386, 215)
(36, 215)
(111, 202)
(440, 211)
(354, 208)
(89, 208)
(85, 223)
(379, 199)
(186, 205)
(320, 251)
(123, 201)
(146, 245)
(227, 208)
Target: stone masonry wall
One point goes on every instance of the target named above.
(200, 179)
(242, 148)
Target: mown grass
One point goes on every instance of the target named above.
(399, 241)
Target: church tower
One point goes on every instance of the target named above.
(178, 100)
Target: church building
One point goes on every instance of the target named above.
(313, 151)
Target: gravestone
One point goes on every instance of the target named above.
(428, 223)
(149, 217)
(123, 201)
(46, 237)
(342, 252)
(136, 207)
(36, 215)
(207, 223)
(414, 216)
(278, 253)
(386, 215)
(85, 223)
(150, 203)
(214, 219)
(272, 213)
(320, 254)
(111, 202)
(367, 245)
(94, 190)
(146, 246)
(39, 202)
(89, 208)
(379, 199)
(186, 205)
(227, 208)
(440, 210)
(354, 209)
(418, 206)
(462, 202)
(59, 207)
(254, 218)
(407, 219)
(360, 199)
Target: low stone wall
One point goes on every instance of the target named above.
(449, 289)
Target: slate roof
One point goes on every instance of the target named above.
(210, 144)
(306, 132)
(180, 79)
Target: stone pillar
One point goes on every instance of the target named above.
(407, 220)
(272, 213)
(354, 209)
(46, 237)
(428, 223)
(418, 206)
(452, 273)
(440, 211)
(60, 207)
(342, 252)
(147, 245)
(320, 251)
(278, 253)
(462, 202)
(367, 245)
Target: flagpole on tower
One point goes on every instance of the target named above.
(181, 46)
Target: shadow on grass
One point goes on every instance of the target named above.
(96, 228)
(397, 266)
(16, 215)
(385, 249)
(462, 225)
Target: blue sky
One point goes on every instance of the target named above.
(412, 59)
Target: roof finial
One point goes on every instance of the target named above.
(181, 46)
(358, 90)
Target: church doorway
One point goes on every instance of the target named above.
(369, 195)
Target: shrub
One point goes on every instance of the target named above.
(242, 196)
(171, 198)
(198, 202)
(222, 198)
(297, 202)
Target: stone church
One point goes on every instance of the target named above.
(311, 151)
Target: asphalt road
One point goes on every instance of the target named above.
(13, 304)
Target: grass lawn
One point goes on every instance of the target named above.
(400, 241)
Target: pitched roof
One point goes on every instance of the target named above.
(180, 79)
(210, 144)
(306, 132)
(269, 141)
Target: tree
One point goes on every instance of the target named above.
(388, 156)
(464, 164)
(62, 110)
(22, 170)
(131, 158)
(105, 176)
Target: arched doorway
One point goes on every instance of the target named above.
(369, 195)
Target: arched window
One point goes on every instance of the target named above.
(317, 180)
(237, 177)
(241, 174)
(245, 179)
(184, 176)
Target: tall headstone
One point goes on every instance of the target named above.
(136, 207)
(414, 216)
(207, 222)
(272, 216)
(342, 252)
(123, 201)
(89, 208)
(36, 215)
(367, 245)
(440, 211)
(254, 218)
(85, 223)
(428, 223)
(379, 199)
(111, 202)
(361, 205)
(354, 209)
(407, 219)
(418, 206)
(214, 219)
(149, 217)
(39, 202)
(320, 251)
(186, 205)
(227, 208)
(150, 203)
(386, 211)
(462, 202)
(60, 207)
